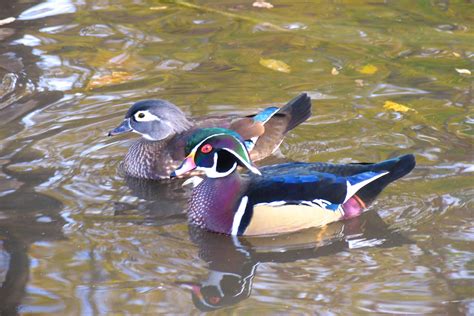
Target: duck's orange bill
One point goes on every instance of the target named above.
(186, 166)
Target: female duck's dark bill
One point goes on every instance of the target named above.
(122, 128)
(187, 165)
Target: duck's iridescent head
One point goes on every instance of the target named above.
(216, 151)
(153, 119)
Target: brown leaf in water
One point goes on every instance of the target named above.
(262, 4)
(116, 77)
(359, 82)
(275, 64)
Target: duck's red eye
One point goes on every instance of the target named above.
(206, 148)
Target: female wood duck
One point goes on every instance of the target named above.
(165, 130)
(286, 197)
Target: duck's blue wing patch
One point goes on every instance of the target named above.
(289, 187)
(261, 117)
(309, 187)
(266, 114)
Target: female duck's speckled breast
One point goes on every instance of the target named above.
(149, 159)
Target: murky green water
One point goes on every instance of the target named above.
(78, 238)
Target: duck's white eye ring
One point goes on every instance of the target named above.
(145, 116)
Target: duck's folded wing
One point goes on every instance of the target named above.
(397, 167)
(287, 203)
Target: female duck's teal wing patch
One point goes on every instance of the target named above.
(261, 117)
(266, 114)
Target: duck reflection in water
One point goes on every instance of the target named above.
(27, 217)
(232, 261)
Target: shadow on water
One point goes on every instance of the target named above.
(15, 238)
(19, 72)
(233, 262)
(27, 217)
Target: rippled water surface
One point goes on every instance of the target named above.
(76, 237)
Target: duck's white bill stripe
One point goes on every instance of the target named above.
(238, 215)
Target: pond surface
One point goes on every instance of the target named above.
(76, 237)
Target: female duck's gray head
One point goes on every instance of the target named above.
(154, 120)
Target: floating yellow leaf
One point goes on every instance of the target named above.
(114, 78)
(389, 105)
(275, 64)
(368, 69)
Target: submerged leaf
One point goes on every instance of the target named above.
(158, 8)
(114, 78)
(368, 69)
(359, 82)
(397, 107)
(275, 64)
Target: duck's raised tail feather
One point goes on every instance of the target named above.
(278, 124)
(396, 167)
(298, 109)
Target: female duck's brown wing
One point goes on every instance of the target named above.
(265, 130)
(288, 117)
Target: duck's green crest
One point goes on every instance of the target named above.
(202, 134)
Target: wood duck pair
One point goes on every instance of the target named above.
(165, 130)
(279, 198)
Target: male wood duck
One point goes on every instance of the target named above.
(282, 198)
(165, 129)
